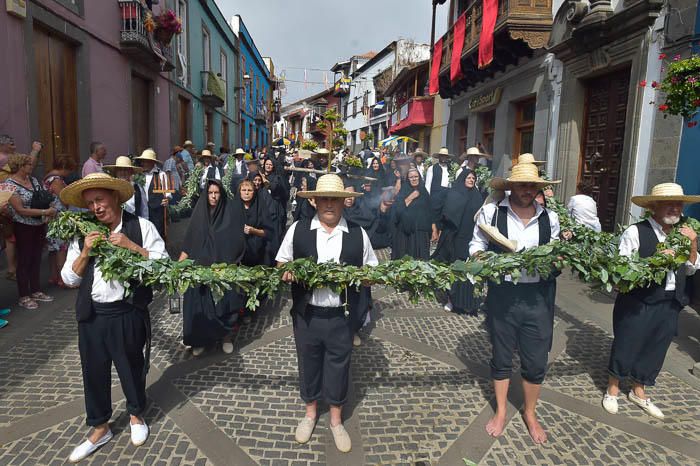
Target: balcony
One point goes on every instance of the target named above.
(213, 89)
(139, 44)
(260, 115)
(522, 26)
(417, 112)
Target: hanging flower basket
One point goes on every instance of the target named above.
(167, 24)
(163, 36)
(680, 88)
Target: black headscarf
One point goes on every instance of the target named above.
(417, 216)
(215, 236)
(304, 209)
(255, 216)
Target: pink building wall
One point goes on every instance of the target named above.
(13, 88)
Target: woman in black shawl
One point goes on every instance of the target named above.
(457, 224)
(304, 210)
(257, 226)
(215, 235)
(412, 220)
(278, 189)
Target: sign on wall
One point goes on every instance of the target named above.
(485, 100)
(17, 8)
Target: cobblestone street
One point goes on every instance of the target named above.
(420, 394)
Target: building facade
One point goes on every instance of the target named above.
(411, 107)
(301, 118)
(254, 98)
(203, 100)
(83, 71)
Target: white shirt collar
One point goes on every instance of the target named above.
(342, 224)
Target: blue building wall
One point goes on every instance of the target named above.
(688, 173)
(255, 98)
(203, 15)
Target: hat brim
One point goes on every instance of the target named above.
(73, 193)
(465, 156)
(496, 237)
(115, 167)
(337, 194)
(647, 201)
(437, 155)
(148, 160)
(503, 184)
(421, 153)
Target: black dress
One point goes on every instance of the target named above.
(278, 192)
(304, 210)
(457, 225)
(412, 224)
(213, 236)
(256, 217)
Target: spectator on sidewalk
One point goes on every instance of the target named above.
(30, 231)
(186, 153)
(170, 169)
(98, 152)
(583, 208)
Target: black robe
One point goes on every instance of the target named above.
(304, 210)
(256, 216)
(457, 225)
(412, 224)
(212, 237)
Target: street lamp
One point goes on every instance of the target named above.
(246, 79)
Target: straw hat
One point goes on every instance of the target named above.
(206, 153)
(240, 151)
(420, 152)
(496, 237)
(149, 154)
(73, 193)
(443, 151)
(670, 192)
(474, 152)
(187, 143)
(522, 173)
(529, 158)
(329, 185)
(122, 161)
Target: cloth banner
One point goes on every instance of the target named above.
(435, 70)
(457, 46)
(488, 23)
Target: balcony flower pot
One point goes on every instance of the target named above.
(163, 36)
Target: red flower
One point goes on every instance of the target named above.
(654, 84)
(663, 107)
(662, 56)
(692, 124)
(642, 83)
(696, 102)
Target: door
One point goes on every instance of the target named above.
(183, 119)
(57, 96)
(224, 134)
(603, 137)
(140, 114)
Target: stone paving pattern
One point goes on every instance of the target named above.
(409, 406)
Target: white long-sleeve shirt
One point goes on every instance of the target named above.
(527, 236)
(629, 243)
(444, 180)
(111, 291)
(328, 247)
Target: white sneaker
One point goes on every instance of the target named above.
(87, 448)
(305, 429)
(341, 438)
(197, 351)
(139, 434)
(610, 403)
(646, 405)
(356, 340)
(227, 347)
(448, 307)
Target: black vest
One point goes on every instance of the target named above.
(500, 220)
(140, 297)
(137, 200)
(657, 293)
(304, 245)
(154, 199)
(211, 172)
(436, 182)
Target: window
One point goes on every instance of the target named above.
(244, 91)
(223, 64)
(524, 127)
(208, 126)
(206, 49)
(183, 63)
(461, 135)
(354, 107)
(224, 134)
(488, 127)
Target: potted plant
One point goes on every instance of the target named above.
(167, 24)
(681, 87)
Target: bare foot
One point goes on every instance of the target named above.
(496, 425)
(98, 432)
(539, 436)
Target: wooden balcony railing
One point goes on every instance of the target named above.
(529, 20)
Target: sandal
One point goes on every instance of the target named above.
(44, 298)
(28, 303)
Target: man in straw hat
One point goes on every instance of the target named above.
(645, 320)
(239, 167)
(322, 318)
(471, 159)
(320, 158)
(419, 157)
(153, 203)
(210, 172)
(124, 170)
(520, 314)
(112, 327)
(437, 183)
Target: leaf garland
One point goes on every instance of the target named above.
(592, 256)
(226, 182)
(191, 190)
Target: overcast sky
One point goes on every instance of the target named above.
(315, 34)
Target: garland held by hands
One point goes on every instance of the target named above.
(592, 256)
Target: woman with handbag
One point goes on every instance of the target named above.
(29, 205)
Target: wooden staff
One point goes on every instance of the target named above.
(163, 186)
(323, 172)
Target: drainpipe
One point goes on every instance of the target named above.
(554, 69)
